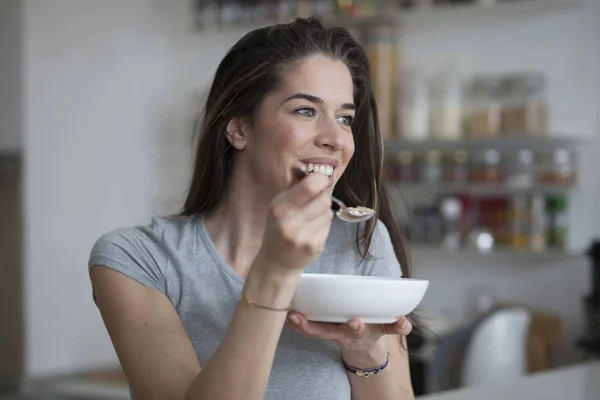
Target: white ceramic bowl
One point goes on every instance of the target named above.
(374, 300)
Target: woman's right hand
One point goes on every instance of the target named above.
(298, 224)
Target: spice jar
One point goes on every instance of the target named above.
(446, 104)
(406, 169)
(558, 168)
(524, 104)
(431, 166)
(382, 52)
(483, 107)
(457, 167)
(520, 168)
(486, 166)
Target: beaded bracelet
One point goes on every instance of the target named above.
(365, 373)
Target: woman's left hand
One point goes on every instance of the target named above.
(353, 335)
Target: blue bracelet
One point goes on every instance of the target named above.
(365, 373)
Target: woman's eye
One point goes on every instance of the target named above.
(346, 119)
(306, 111)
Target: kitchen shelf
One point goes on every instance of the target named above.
(479, 189)
(502, 143)
(424, 16)
(459, 13)
(424, 253)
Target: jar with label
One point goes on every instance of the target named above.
(381, 50)
(556, 208)
(537, 223)
(518, 222)
(414, 106)
(524, 105)
(487, 167)
(446, 105)
(483, 107)
(406, 168)
(558, 168)
(457, 167)
(520, 168)
(431, 167)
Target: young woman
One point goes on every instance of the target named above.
(197, 305)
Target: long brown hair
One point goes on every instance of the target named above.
(253, 67)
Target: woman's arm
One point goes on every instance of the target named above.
(152, 344)
(158, 357)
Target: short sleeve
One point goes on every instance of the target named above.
(382, 260)
(135, 252)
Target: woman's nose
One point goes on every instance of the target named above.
(330, 135)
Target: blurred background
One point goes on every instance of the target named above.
(490, 111)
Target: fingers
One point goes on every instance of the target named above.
(339, 333)
(302, 192)
(402, 327)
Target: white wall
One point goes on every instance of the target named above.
(110, 92)
(99, 86)
(10, 74)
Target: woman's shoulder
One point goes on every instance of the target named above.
(157, 230)
(142, 251)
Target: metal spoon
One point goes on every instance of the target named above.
(343, 212)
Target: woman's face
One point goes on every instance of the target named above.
(307, 120)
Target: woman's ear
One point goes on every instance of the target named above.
(237, 133)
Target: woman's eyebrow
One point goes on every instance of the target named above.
(316, 100)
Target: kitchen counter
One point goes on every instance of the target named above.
(578, 382)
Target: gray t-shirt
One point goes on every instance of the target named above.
(177, 257)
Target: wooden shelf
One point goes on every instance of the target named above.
(424, 253)
(426, 16)
(502, 143)
(477, 189)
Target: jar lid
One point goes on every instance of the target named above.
(525, 156)
(460, 156)
(433, 156)
(406, 157)
(490, 156)
(561, 156)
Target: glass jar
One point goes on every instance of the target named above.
(446, 105)
(457, 167)
(483, 107)
(406, 169)
(524, 110)
(431, 170)
(486, 166)
(380, 44)
(558, 168)
(413, 116)
(520, 168)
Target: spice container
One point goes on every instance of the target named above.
(483, 107)
(558, 168)
(457, 167)
(414, 106)
(537, 223)
(406, 168)
(556, 208)
(446, 105)
(520, 168)
(431, 169)
(381, 50)
(518, 222)
(487, 167)
(524, 104)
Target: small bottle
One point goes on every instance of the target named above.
(451, 213)
(537, 223)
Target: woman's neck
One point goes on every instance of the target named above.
(237, 224)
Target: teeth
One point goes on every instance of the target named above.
(323, 169)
